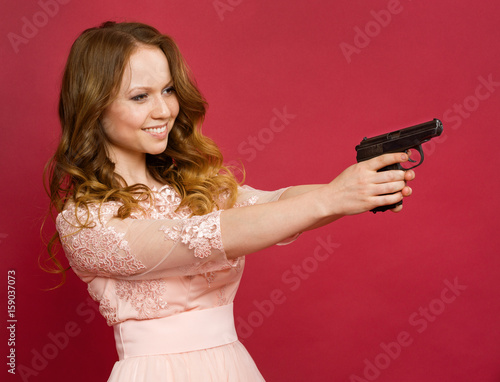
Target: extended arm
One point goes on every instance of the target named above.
(152, 248)
(358, 189)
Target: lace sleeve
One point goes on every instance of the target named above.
(147, 248)
(141, 248)
(249, 196)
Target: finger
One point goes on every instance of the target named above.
(388, 199)
(406, 191)
(409, 175)
(389, 188)
(385, 160)
(389, 176)
(398, 208)
(394, 175)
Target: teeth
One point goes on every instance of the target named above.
(157, 130)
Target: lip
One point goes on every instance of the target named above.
(159, 135)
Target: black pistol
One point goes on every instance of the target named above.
(404, 140)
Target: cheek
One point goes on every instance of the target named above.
(120, 118)
(128, 113)
(174, 107)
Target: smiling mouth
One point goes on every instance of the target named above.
(156, 130)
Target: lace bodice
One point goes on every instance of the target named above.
(155, 263)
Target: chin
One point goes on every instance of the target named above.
(158, 149)
(154, 152)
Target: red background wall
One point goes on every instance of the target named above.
(337, 313)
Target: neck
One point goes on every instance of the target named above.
(134, 174)
(133, 170)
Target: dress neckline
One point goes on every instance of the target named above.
(156, 189)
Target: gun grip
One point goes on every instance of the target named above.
(395, 166)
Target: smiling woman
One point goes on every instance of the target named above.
(104, 97)
(142, 114)
(150, 218)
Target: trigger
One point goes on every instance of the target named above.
(408, 152)
(421, 158)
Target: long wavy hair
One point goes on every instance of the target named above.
(80, 171)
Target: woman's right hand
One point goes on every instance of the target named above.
(361, 187)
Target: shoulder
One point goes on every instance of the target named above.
(75, 217)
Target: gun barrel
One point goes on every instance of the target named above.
(398, 140)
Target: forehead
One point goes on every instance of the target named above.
(147, 67)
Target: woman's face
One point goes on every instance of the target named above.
(141, 116)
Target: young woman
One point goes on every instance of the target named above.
(155, 224)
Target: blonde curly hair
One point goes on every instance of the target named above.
(80, 170)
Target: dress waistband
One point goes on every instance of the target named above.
(180, 333)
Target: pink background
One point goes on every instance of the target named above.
(305, 314)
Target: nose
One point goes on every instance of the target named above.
(161, 108)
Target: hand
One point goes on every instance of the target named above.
(361, 187)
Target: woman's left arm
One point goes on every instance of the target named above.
(298, 190)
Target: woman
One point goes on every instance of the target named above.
(155, 224)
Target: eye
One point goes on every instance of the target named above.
(140, 97)
(169, 90)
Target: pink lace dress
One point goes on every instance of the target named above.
(164, 283)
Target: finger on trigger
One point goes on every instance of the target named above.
(388, 159)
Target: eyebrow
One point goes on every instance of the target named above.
(147, 88)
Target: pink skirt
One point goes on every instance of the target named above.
(226, 363)
(197, 346)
